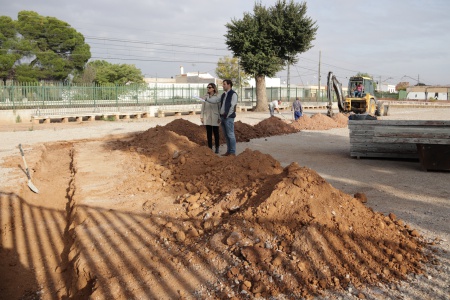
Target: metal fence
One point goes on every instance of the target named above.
(61, 97)
(285, 94)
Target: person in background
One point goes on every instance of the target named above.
(354, 90)
(228, 103)
(297, 108)
(359, 90)
(274, 105)
(210, 115)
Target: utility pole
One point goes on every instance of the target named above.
(318, 78)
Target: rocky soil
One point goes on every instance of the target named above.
(155, 214)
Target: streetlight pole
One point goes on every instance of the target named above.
(318, 78)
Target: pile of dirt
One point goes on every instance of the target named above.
(275, 126)
(266, 230)
(159, 215)
(320, 122)
(268, 127)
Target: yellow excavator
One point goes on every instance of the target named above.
(358, 100)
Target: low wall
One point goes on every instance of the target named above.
(13, 116)
(26, 115)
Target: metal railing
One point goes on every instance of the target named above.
(61, 98)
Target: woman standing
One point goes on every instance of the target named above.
(210, 115)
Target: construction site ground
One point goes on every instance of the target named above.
(141, 209)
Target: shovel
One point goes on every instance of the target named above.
(30, 184)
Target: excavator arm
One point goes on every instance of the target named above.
(334, 84)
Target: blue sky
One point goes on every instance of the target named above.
(401, 40)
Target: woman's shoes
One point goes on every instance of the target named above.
(217, 150)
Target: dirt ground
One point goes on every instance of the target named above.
(143, 210)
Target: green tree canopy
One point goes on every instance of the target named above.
(8, 42)
(228, 68)
(103, 72)
(269, 39)
(41, 48)
(360, 74)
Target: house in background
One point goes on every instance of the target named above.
(428, 93)
(183, 80)
(386, 87)
(195, 77)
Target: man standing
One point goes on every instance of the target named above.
(274, 105)
(228, 103)
(297, 108)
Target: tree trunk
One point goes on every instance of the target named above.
(261, 96)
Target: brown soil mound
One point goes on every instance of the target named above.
(304, 123)
(155, 215)
(341, 119)
(275, 126)
(193, 132)
(320, 122)
(267, 230)
(245, 132)
(268, 127)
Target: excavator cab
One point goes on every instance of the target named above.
(358, 103)
(366, 83)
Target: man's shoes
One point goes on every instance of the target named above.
(229, 154)
(217, 150)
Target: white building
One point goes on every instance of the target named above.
(428, 93)
(270, 82)
(386, 87)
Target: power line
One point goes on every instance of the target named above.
(151, 43)
(157, 60)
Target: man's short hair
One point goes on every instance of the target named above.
(229, 82)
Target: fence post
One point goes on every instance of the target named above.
(12, 97)
(137, 94)
(70, 94)
(156, 93)
(117, 98)
(43, 95)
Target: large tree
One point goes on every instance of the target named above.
(8, 44)
(44, 48)
(229, 68)
(103, 72)
(269, 39)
